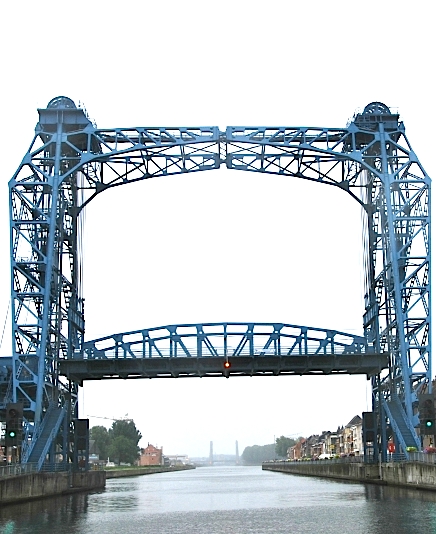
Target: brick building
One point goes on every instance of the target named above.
(151, 455)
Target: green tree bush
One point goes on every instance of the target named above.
(102, 440)
(119, 443)
(123, 450)
(282, 445)
(256, 454)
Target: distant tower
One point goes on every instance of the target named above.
(211, 453)
(237, 453)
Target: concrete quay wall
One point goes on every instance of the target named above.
(32, 486)
(406, 474)
(139, 471)
(38, 485)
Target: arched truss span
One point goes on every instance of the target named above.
(70, 161)
(247, 349)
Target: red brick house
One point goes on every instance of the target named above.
(297, 451)
(151, 455)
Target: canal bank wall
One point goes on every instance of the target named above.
(38, 485)
(149, 470)
(406, 474)
(30, 486)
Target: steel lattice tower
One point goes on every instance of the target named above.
(70, 161)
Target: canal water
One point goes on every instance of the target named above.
(227, 500)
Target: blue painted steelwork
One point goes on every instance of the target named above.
(5, 383)
(225, 340)
(70, 161)
(371, 160)
(223, 349)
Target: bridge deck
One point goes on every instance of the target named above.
(79, 370)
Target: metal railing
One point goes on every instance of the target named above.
(427, 458)
(13, 470)
(420, 457)
(347, 459)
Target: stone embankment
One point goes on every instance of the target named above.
(38, 485)
(26, 487)
(139, 471)
(416, 475)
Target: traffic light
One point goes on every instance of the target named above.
(369, 427)
(427, 415)
(226, 366)
(14, 424)
(81, 434)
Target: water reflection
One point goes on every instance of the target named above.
(400, 509)
(375, 492)
(121, 495)
(45, 514)
(227, 500)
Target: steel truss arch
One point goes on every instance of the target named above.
(70, 161)
(248, 349)
(225, 339)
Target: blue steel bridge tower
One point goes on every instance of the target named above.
(70, 161)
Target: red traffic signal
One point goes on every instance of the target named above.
(227, 365)
(12, 413)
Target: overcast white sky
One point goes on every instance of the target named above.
(220, 245)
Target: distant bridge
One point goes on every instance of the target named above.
(223, 349)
